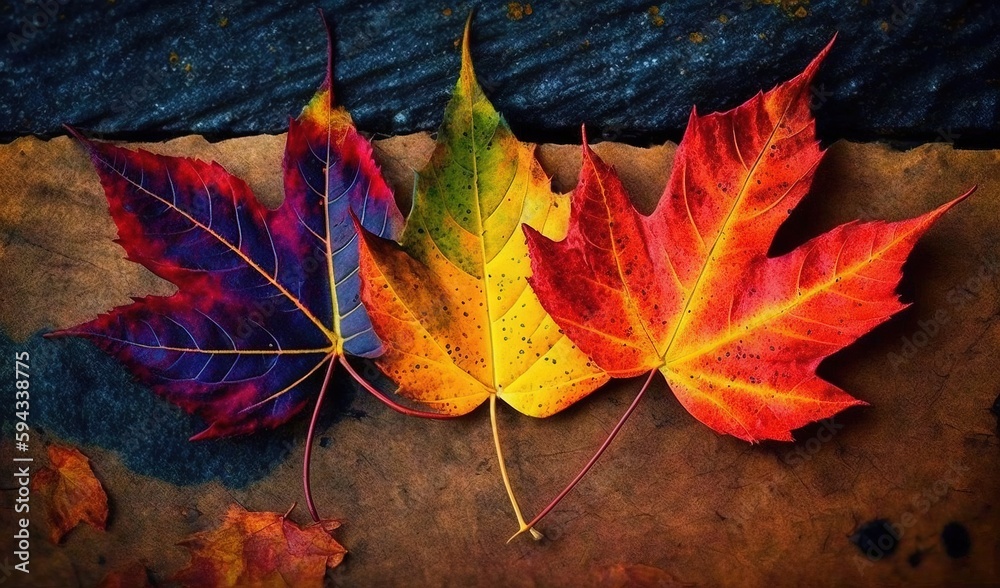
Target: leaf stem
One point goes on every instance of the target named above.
(307, 456)
(593, 460)
(503, 472)
(389, 401)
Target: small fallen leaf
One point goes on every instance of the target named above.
(261, 549)
(70, 492)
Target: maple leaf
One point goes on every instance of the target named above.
(690, 290)
(265, 298)
(261, 549)
(70, 491)
(451, 302)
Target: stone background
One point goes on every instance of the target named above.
(907, 70)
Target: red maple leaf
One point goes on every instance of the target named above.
(690, 290)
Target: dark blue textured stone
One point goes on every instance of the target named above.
(909, 69)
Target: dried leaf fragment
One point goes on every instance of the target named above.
(261, 549)
(70, 491)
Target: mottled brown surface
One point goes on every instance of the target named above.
(671, 502)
